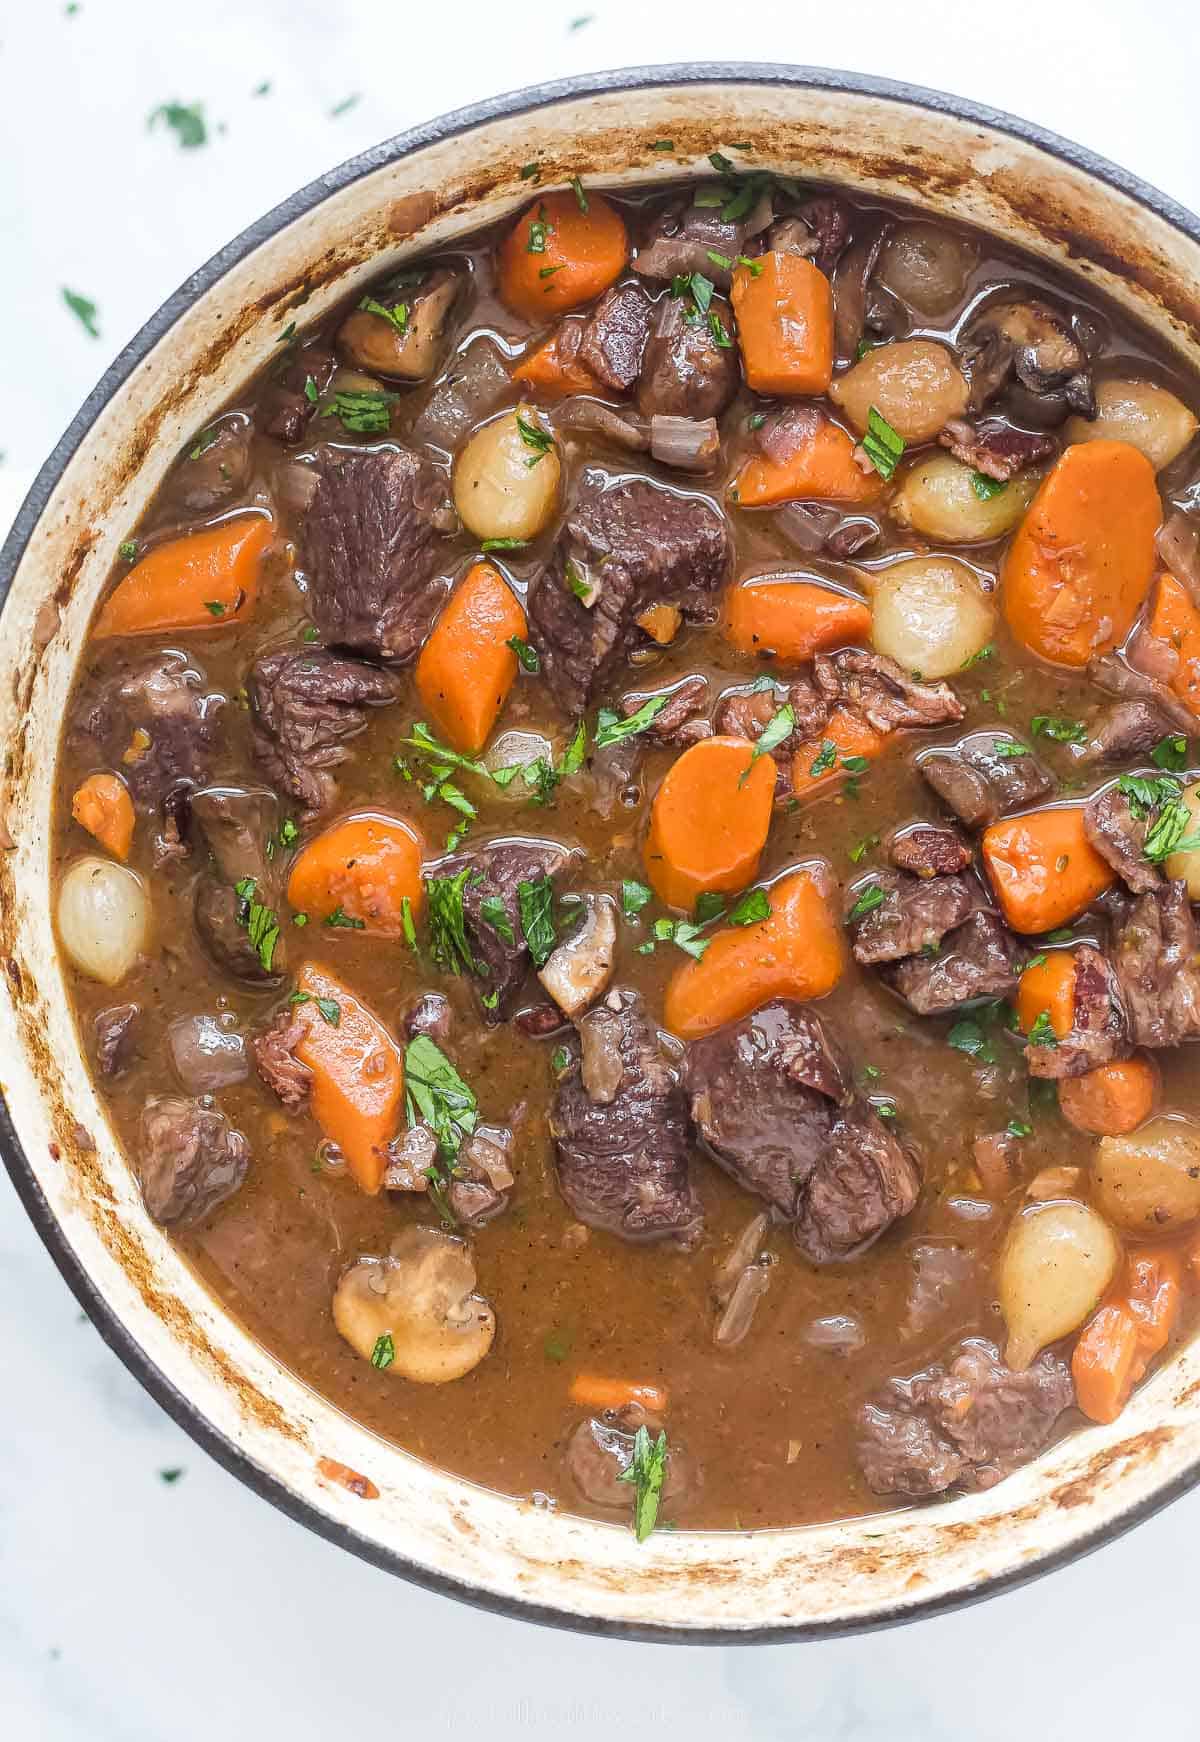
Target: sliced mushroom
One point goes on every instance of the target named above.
(415, 1313)
(1033, 342)
(405, 341)
(581, 968)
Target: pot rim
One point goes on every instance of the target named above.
(119, 1339)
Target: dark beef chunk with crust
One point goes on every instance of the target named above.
(190, 1160)
(371, 549)
(159, 726)
(965, 1425)
(682, 238)
(929, 852)
(978, 959)
(685, 372)
(915, 914)
(619, 1123)
(216, 470)
(1119, 836)
(866, 1181)
(820, 231)
(680, 721)
(994, 447)
(883, 692)
(115, 1033)
(1154, 955)
(614, 336)
(1116, 678)
(276, 1061)
(978, 784)
(636, 544)
(305, 706)
(285, 410)
(748, 713)
(1099, 1030)
(1128, 732)
(497, 871)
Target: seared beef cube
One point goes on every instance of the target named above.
(967, 1426)
(158, 726)
(819, 232)
(614, 336)
(1099, 1030)
(115, 1032)
(1154, 955)
(190, 1160)
(371, 549)
(1128, 731)
(929, 852)
(979, 784)
(979, 959)
(629, 545)
(276, 1061)
(287, 403)
(685, 372)
(1119, 836)
(304, 708)
(619, 1123)
(679, 722)
(994, 447)
(237, 823)
(748, 713)
(216, 468)
(683, 238)
(221, 916)
(1112, 675)
(499, 948)
(866, 1181)
(882, 691)
(915, 914)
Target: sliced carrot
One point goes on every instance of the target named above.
(358, 1072)
(594, 1391)
(362, 869)
(557, 255)
(821, 465)
(797, 952)
(103, 807)
(784, 309)
(466, 668)
(661, 623)
(709, 821)
(792, 619)
(815, 766)
(1132, 1325)
(1155, 1294)
(207, 580)
(1083, 557)
(1111, 1099)
(1043, 868)
(1048, 986)
(1175, 621)
(554, 371)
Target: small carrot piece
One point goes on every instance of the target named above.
(345, 1477)
(661, 623)
(552, 373)
(1083, 557)
(1112, 1099)
(206, 580)
(850, 736)
(784, 309)
(1175, 622)
(363, 869)
(792, 619)
(594, 1391)
(557, 255)
(1043, 868)
(1132, 1325)
(466, 668)
(103, 807)
(709, 821)
(1048, 986)
(358, 1072)
(822, 465)
(797, 952)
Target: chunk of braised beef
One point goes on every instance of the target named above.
(497, 871)
(190, 1160)
(633, 544)
(822, 233)
(613, 337)
(1099, 1025)
(866, 1181)
(1119, 836)
(679, 722)
(1127, 732)
(237, 823)
(431, 1015)
(619, 1123)
(304, 709)
(221, 917)
(289, 399)
(915, 914)
(1154, 955)
(159, 726)
(372, 550)
(686, 372)
(115, 1034)
(1117, 678)
(883, 692)
(683, 237)
(275, 1059)
(929, 852)
(966, 1425)
(979, 784)
(207, 1051)
(216, 469)
(978, 959)
(747, 713)
(995, 447)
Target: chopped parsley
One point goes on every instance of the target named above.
(535, 902)
(1062, 731)
(662, 145)
(1169, 753)
(1042, 1033)
(781, 725)
(346, 104)
(968, 1036)
(364, 413)
(716, 327)
(1009, 748)
(985, 652)
(825, 759)
(186, 121)
(881, 444)
(584, 590)
(384, 1352)
(1019, 1128)
(447, 921)
(84, 310)
(557, 1345)
(128, 550)
(214, 607)
(330, 1011)
(634, 896)
(310, 390)
(530, 171)
(873, 896)
(985, 488)
(581, 199)
(699, 288)
(560, 1058)
(647, 1472)
(535, 437)
(1062, 935)
(1038, 961)
(860, 849)
(205, 441)
(260, 923)
(527, 657)
(685, 933)
(396, 316)
(340, 920)
(539, 229)
(504, 544)
(407, 925)
(611, 728)
(492, 910)
(434, 1090)
(753, 906)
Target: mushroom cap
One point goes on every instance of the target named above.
(422, 1297)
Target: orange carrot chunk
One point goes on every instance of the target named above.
(784, 309)
(818, 762)
(1111, 1099)
(1043, 868)
(363, 870)
(1175, 622)
(797, 952)
(1083, 557)
(207, 580)
(820, 463)
(466, 668)
(558, 255)
(103, 807)
(792, 619)
(358, 1072)
(595, 1391)
(555, 370)
(709, 821)
(1048, 987)
(1132, 1325)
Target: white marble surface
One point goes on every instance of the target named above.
(133, 1609)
